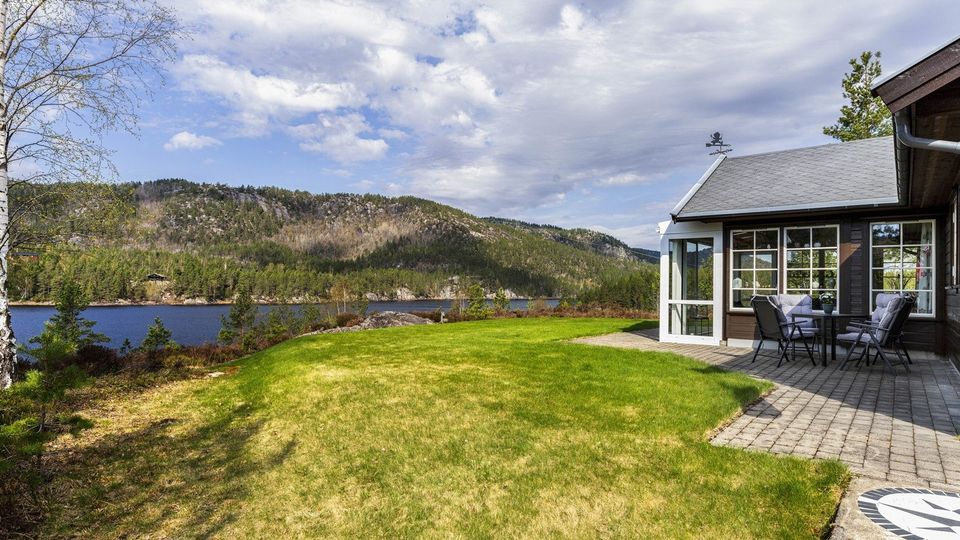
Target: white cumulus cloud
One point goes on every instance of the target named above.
(185, 140)
(340, 138)
(499, 104)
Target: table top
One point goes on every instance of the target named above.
(835, 314)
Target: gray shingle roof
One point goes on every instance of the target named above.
(856, 173)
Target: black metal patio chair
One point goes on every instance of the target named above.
(881, 301)
(773, 326)
(884, 335)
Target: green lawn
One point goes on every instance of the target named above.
(486, 429)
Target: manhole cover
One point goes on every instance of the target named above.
(914, 513)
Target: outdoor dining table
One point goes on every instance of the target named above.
(828, 320)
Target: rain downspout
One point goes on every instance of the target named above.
(907, 138)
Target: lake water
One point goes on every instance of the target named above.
(190, 325)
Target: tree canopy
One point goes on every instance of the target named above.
(865, 116)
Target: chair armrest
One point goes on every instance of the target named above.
(864, 325)
(868, 328)
(793, 326)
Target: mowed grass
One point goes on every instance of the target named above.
(486, 429)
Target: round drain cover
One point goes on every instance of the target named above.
(914, 513)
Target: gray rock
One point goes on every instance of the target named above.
(387, 319)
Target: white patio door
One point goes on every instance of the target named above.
(691, 268)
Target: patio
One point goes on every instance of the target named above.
(894, 427)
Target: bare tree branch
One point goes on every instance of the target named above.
(70, 71)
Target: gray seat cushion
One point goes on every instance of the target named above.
(851, 337)
(792, 304)
(883, 301)
(893, 309)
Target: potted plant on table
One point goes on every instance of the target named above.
(828, 301)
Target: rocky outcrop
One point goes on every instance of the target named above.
(386, 319)
(392, 318)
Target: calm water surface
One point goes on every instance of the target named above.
(191, 325)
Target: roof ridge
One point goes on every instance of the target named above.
(838, 144)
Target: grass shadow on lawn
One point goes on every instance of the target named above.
(162, 475)
(744, 394)
(494, 428)
(641, 325)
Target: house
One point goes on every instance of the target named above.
(854, 219)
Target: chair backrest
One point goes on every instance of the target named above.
(896, 315)
(794, 304)
(769, 317)
(883, 300)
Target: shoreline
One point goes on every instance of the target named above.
(225, 303)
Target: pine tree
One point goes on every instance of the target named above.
(500, 301)
(866, 116)
(476, 303)
(158, 337)
(240, 318)
(67, 324)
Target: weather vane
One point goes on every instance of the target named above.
(716, 141)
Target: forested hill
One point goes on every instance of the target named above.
(201, 240)
(588, 239)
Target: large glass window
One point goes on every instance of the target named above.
(691, 287)
(812, 260)
(902, 260)
(754, 264)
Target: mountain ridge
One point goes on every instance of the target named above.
(211, 238)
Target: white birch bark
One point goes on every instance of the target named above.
(8, 344)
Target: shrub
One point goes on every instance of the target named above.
(348, 319)
(32, 413)
(537, 305)
(98, 360)
(435, 315)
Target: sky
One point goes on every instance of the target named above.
(590, 114)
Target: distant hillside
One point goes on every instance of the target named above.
(205, 239)
(587, 239)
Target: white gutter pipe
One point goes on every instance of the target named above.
(907, 138)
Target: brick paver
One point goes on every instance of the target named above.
(899, 427)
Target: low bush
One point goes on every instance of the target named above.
(98, 360)
(435, 315)
(348, 319)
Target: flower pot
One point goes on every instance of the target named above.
(828, 308)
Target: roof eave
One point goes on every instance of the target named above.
(793, 209)
(696, 187)
(900, 89)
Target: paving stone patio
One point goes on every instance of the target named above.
(896, 427)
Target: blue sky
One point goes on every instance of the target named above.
(589, 114)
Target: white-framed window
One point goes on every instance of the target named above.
(812, 261)
(754, 265)
(902, 259)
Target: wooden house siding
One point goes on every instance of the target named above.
(928, 333)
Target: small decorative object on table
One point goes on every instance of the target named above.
(828, 301)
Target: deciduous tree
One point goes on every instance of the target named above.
(70, 71)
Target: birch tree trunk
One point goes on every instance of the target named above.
(8, 344)
(70, 71)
